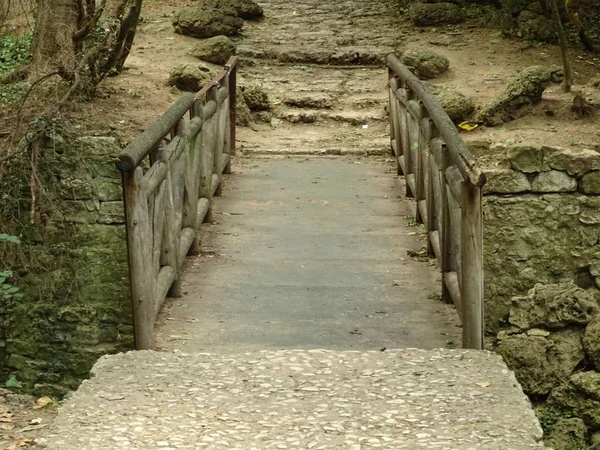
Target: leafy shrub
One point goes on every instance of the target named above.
(14, 51)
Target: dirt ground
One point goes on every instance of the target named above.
(481, 63)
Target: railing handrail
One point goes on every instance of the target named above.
(461, 157)
(141, 146)
(443, 177)
(188, 150)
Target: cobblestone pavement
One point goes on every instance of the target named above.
(298, 399)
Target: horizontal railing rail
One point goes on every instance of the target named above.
(446, 183)
(170, 173)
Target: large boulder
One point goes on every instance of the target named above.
(457, 105)
(207, 22)
(541, 361)
(426, 14)
(425, 64)
(190, 77)
(216, 50)
(580, 397)
(524, 91)
(246, 9)
(567, 434)
(554, 306)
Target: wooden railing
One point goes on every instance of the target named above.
(170, 173)
(444, 179)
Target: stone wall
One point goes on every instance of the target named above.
(542, 280)
(71, 266)
(542, 223)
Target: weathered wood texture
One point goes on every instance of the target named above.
(167, 199)
(446, 182)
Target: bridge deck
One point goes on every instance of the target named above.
(309, 253)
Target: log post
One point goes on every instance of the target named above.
(212, 94)
(472, 266)
(207, 138)
(232, 105)
(431, 169)
(392, 112)
(139, 250)
(423, 141)
(448, 261)
(406, 142)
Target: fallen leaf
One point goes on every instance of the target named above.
(468, 126)
(36, 421)
(483, 384)
(42, 402)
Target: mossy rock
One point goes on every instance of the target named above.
(580, 397)
(542, 361)
(537, 27)
(425, 64)
(246, 9)
(190, 77)
(256, 98)
(524, 91)
(591, 341)
(427, 14)
(554, 306)
(216, 50)
(205, 23)
(242, 112)
(457, 105)
(567, 434)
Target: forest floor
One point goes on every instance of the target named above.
(482, 61)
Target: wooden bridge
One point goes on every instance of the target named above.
(190, 148)
(286, 306)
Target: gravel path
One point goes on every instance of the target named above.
(296, 399)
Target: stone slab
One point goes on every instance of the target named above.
(298, 399)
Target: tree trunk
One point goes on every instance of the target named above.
(53, 45)
(563, 47)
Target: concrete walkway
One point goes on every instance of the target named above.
(310, 253)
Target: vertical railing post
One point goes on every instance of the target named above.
(420, 186)
(406, 141)
(392, 111)
(448, 261)
(232, 105)
(472, 266)
(142, 280)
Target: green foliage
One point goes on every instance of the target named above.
(14, 51)
(12, 382)
(7, 290)
(548, 415)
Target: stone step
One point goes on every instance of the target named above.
(317, 116)
(364, 56)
